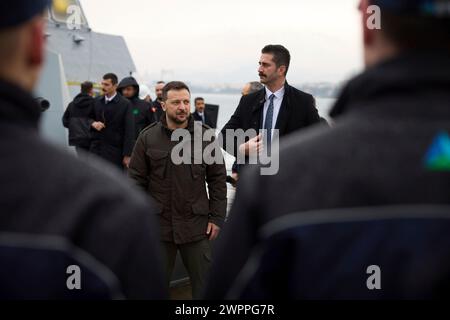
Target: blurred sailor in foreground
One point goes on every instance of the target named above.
(60, 217)
(361, 211)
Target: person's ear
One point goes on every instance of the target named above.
(282, 70)
(36, 49)
(368, 34)
(163, 106)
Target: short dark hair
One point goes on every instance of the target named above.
(86, 87)
(416, 32)
(281, 55)
(174, 85)
(112, 77)
(160, 82)
(198, 99)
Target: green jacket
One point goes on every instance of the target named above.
(180, 190)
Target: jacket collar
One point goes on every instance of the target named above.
(407, 75)
(17, 105)
(116, 98)
(261, 100)
(279, 94)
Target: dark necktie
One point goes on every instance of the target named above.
(268, 126)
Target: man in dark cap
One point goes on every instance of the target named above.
(390, 147)
(129, 88)
(67, 229)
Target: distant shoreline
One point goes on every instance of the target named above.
(321, 90)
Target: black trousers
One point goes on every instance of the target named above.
(110, 153)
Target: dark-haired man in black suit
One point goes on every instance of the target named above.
(200, 113)
(113, 128)
(277, 106)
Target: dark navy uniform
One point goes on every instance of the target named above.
(60, 216)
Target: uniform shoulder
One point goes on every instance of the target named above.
(94, 177)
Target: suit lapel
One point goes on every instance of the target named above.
(112, 110)
(285, 111)
(196, 116)
(257, 110)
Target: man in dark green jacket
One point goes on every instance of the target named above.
(189, 219)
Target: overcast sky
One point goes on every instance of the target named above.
(212, 41)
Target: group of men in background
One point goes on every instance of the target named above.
(125, 109)
(109, 125)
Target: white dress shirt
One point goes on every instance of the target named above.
(277, 101)
(108, 100)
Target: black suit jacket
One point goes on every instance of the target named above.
(298, 111)
(117, 139)
(208, 121)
